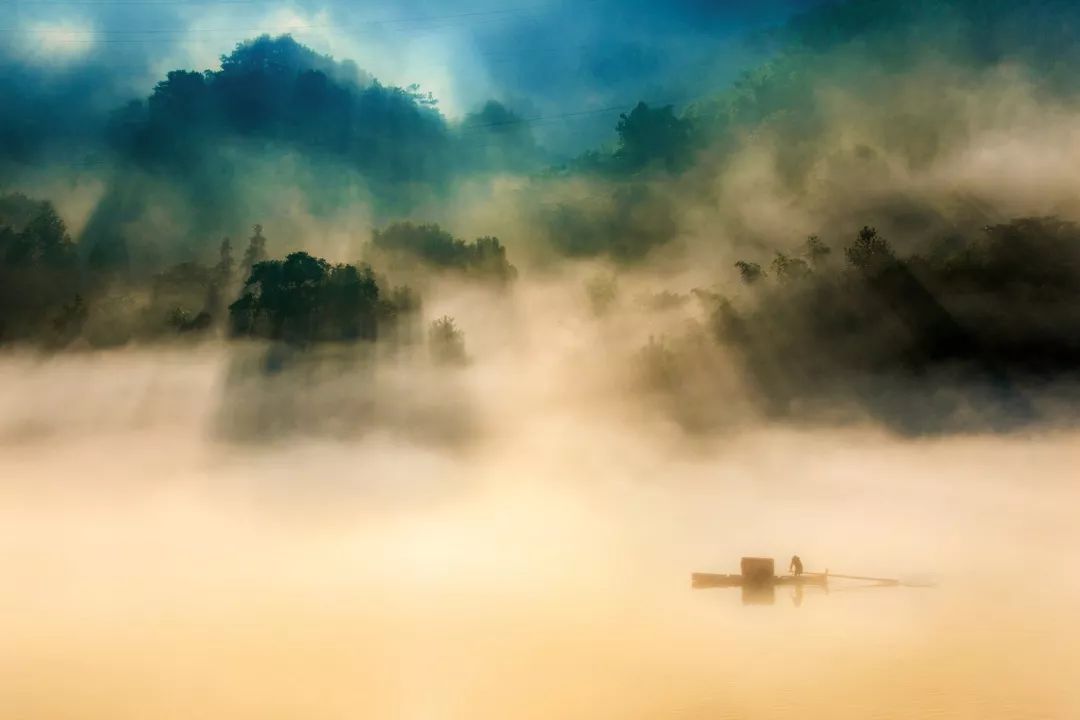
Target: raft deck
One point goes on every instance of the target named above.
(715, 580)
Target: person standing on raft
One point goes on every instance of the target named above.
(796, 566)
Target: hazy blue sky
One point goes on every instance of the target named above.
(570, 60)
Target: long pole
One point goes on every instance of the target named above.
(890, 581)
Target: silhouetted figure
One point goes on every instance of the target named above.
(796, 566)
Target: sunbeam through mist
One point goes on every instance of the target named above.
(361, 361)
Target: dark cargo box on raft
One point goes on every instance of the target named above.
(757, 570)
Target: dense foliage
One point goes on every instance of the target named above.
(483, 258)
(39, 272)
(276, 90)
(946, 317)
(212, 150)
(980, 317)
(52, 296)
(304, 299)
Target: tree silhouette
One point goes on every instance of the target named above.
(255, 252)
(304, 299)
(446, 342)
(788, 269)
(749, 272)
(869, 250)
(652, 137)
(221, 279)
(429, 243)
(39, 271)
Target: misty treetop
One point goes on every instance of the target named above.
(984, 316)
(868, 50)
(625, 222)
(39, 270)
(632, 214)
(446, 342)
(32, 233)
(1041, 33)
(304, 299)
(648, 139)
(653, 136)
(208, 151)
(277, 116)
(483, 258)
(275, 89)
(215, 148)
(863, 49)
(52, 296)
(497, 138)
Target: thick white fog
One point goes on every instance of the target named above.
(534, 564)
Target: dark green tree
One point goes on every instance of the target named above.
(39, 270)
(429, 243)
(304, 299)
(653, 137)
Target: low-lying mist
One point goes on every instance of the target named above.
(511, 536)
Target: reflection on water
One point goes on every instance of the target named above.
(152, 572)
(758, 594)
